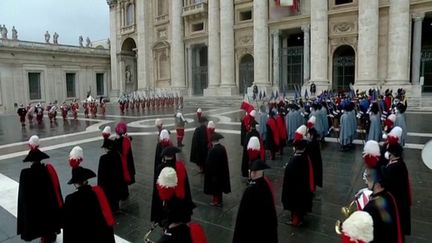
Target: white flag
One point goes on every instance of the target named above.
(286, 2)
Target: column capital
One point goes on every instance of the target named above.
(418, 16)
(305, 27)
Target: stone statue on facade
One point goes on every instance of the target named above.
(14, 33)
(55, 38)
(128, 74)
(4, 32)
(88, 42)
(80, 40)
(47, 37)
(108, 43)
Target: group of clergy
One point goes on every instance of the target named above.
(85, 215)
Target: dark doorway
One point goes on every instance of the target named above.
(246, 73)
(199, 69)
(291, 61)
(343, 68)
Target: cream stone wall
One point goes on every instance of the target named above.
(18, 58)
(336, 25)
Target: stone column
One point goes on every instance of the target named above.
(367, 50)
(228, 86)
(398, 42)
(214, 48)
(306, 53)
(177, 45)
(144, 33)
(319, 44)
(276, 57)
(261, 43)
(416, 48)
(114, 27)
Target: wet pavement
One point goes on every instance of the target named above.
(342, 173)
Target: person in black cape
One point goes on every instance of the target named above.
(124, 147)
(182, 190)
(298, 184)
(398, 184)
(87, 215)
(245, 158)
(199, 147)
(256, 217)
(217, 177)
(110, 175)
(383, 209)
(313, 150)
(39, 198)
(176, 229)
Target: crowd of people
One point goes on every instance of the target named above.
(384, 211)
(149, 100)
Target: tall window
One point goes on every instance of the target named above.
(70, 85)
(130, 14)
(100, 85)
(34, 86)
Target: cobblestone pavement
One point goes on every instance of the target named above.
(342, 173)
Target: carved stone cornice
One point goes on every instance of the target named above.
(111, 3)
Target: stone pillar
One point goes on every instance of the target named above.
(319, 44)
(228, 86)
(177, 46)
(114, 27)
(261, 43)
(214, 48)
(306, 53)
(367, 50)
(276, 58)
(144, 57)
(416, 48)
(398, 42)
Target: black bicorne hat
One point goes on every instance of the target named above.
(81, 174)
(108, 144)
(170, 151)
(259, 165)
(35, 155)
(216, 137)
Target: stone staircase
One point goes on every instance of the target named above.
(213, 101)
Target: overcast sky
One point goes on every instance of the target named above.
(69, 18)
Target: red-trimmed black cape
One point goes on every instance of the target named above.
(256, 218)
(199, 147)
(397, 182)
(110, 178)
(386, 221)
(272, 139)
(245, 157)
(39, 202)
(298, 184)
(124, 147)
(313, 150)
(87, 217)
(217, 176)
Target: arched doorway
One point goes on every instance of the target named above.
(426, 53)
(128, 65)
(246, 73)
(343, 68)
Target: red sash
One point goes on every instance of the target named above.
(124, 157)
(181, 179)
(105, 207)
(400, 237)
(55, 183)
(311, 176)
(197, 233)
